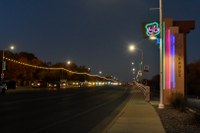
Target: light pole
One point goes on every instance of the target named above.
(161, 105)
(3, 62)
(2, 66)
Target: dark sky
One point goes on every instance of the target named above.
(94, 33)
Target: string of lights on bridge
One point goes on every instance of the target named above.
(52, 68)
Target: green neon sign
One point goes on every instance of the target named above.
(152, 29)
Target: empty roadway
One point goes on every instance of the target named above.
(72, 110)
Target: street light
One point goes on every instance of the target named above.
(3, 62)
(12, 47)
(133, 70)
(132, 48)
(161, 105)
(68, 62)
(100, 72)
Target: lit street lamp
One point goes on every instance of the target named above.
(133, 70)
(68, 62)
(132, 48)
(12, 47)
(3, 62)
(100, 72)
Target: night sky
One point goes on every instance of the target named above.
(94, 33)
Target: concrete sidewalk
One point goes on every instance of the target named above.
(138, 116)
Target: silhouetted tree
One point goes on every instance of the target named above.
(23, 73)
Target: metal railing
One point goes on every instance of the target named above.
(145, 90)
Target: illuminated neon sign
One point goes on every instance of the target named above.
(169, 60)
(152, 29)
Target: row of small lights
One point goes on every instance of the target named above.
(51, 68)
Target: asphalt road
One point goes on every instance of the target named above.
(75, 110)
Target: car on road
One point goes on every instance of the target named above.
(38, 84)
(3, 87)
(63, 83)
(53, 84)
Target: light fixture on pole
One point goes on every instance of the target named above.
(4, 63)
(152, 37)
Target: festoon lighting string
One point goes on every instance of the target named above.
(52, 68)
